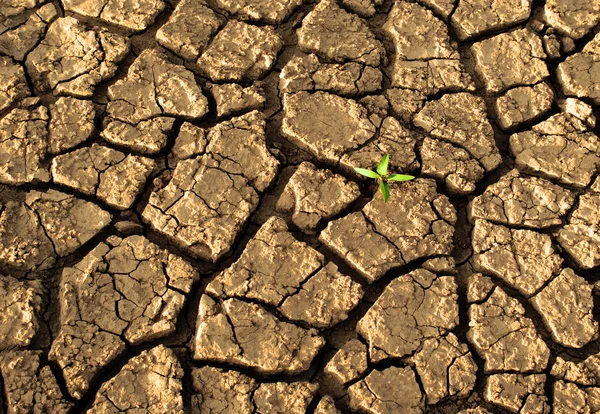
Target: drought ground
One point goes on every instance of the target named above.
(182, 229)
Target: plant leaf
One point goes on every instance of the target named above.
(385, 190)
(367, 173)
(400, 177)
(382, 168)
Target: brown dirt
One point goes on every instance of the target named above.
(182, 229)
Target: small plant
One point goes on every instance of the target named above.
(382, 176)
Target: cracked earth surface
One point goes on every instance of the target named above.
(182, 229)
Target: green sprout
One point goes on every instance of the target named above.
(382, 176)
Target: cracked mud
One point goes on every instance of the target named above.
(182, 229)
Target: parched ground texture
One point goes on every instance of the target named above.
(182, 229)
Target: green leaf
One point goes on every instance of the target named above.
(385, 190)
(400, 177)
(382, 168)
(367, 173)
